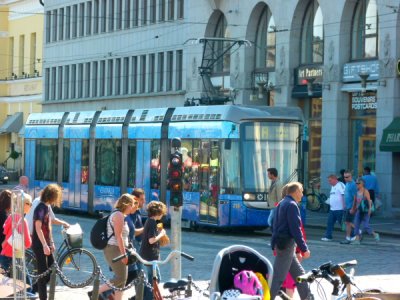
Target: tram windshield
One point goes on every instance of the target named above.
(268, 145)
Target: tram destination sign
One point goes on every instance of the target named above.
(360, 101)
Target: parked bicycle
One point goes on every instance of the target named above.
(342, 283)
(177, 288)
(315, 200)
(78, 265)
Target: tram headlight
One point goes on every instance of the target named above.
(249, 197)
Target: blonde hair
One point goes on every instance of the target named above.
(26, 198)
(124, 202)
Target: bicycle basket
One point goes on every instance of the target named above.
(74, 236)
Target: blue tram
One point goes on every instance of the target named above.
(97, 155)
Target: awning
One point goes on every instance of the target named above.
(356, 87)
(13, 123)
(391, 137)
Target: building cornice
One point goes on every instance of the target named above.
(22, 8)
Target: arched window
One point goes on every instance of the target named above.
(364, 38)
(223, 65)
(265, 47)
(312, 35)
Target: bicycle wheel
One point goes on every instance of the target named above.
(78, 267)
(324, 207)
(30, 264)
(313, 203)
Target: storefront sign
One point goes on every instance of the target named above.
(351, 70)
(360, 101)
(306, 72)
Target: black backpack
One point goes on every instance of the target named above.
(98, 234)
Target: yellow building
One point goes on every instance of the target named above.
(21, 35)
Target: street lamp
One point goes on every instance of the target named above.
(364, 76)
(261, 79)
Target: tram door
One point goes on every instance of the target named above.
(75, 163)
(143, 159)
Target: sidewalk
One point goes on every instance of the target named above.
(386, 226)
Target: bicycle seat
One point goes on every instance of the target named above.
(174, 284)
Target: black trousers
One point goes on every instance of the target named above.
(44, 262)
(372, 195)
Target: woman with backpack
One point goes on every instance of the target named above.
(118, 229)
(362, 208)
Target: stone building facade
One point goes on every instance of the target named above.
(337, 60)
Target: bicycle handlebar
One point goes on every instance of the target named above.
(132, 252)
(328, 269)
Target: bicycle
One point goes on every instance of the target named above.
(77, 265)
(176, 288)
(341, 281)
(315, 200)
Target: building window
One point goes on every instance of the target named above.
(66, 82)
(73, 81)
(80, 80)
(110, 77)
(103, 14)
(161, 10)
(160, 72)
(134, 75)
(144, 12)
(102, 85)
(11, 56)
(21, 61)
(171, 9)
(142, 73)
(222, 65)
(127, 14)
(59, 83)
(265, 47)
(170, 69)
(54, 26)
(87, 80)
(88, 18)
(111, 15)
(61, 25)
(96, 19)
(312, 35)
(53, 83)
(47, 84)
(117, 76)
(74, 20)
(118, 24)
(179, 69)
(152, 67)
(32, 57)
(67, 22)
(48, 26)
(364, 37)
(125, 80)
(135, 13)
(181, 8)
(153, 10)
(81, 19)
(94, 78)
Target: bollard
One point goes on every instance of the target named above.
(139, 288)
(96, 285)
(189, 291)
(53, 277)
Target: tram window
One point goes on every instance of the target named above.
(155, 176)
(230, 174)
(66, 153)
(85, 162)
(108, 162)
(268, 145)
(188, 174)
(131, 163)
(46, 157)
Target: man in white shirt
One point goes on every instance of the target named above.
(336, 201)
(54, 219)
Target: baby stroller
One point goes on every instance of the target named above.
(230, 261)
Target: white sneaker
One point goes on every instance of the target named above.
(353, 238)
(324, 239)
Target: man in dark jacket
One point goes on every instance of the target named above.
(286, 235)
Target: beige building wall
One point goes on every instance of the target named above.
(21, 55)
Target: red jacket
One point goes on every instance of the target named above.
(7, 227)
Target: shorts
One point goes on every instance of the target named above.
(349, 218)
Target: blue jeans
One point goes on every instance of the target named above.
(333, 217)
